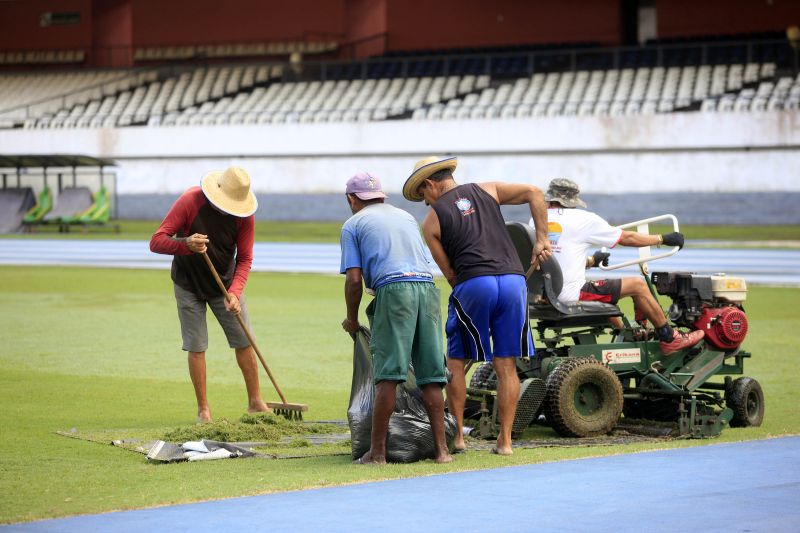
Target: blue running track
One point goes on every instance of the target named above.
(748, 486)
(765, 266)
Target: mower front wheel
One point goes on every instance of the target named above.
(584, 398)
(746, 399)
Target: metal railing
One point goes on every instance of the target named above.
(529, 62)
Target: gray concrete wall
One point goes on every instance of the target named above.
(299, 170)
(696, 208)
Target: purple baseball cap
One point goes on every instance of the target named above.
(365, 186)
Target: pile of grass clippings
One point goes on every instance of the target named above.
(258, 427)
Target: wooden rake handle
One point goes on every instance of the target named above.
(535, 265)
(244, 327)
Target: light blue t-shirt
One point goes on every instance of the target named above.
(385, 243)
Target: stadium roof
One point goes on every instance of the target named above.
(45, 161)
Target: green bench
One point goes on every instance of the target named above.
(44, 203)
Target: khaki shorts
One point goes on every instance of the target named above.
(194, 330)
(406, 324)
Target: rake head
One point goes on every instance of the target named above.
(290, 411)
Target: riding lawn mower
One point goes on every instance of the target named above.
(582, 383)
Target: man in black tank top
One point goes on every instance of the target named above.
(488, 309)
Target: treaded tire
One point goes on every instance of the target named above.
(746, 399)
(484, 377)
(584, 398)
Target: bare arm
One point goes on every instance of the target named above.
(352, 297)
(164, 241)
(637, 240)
(245, 237)
(433, 236)
(521, 193)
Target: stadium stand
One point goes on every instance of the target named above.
(42, 57)
(230, 51)
(519, 82)
(34, 99)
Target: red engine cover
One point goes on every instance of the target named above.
(725, 327)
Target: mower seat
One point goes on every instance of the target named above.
(545, 284)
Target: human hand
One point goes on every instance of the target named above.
(197, 243)
(673, 239)
(350, 326)
(541, 253)
(232, 304)
(600, 258)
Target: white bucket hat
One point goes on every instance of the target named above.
(229, 191)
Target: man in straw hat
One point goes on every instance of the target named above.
(466, 233)
(381, 245)
(574, 231)
(217, 219)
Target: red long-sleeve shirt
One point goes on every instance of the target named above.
(230, 245)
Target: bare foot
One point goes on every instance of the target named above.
(505, 450)
(458, 443)
(369, 459)
(204, 415)
(444, 458)
(258, 406)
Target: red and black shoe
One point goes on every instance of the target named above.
(681, 340)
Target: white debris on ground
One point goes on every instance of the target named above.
(203, 450)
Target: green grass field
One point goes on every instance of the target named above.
(96, 349)
(329, 232)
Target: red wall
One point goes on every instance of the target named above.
(420, 24)
(680, 18)
(366, 27)
(182, 22)
(112, 33)
(20, 30)
(407, 24)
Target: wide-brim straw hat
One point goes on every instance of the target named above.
(422, 171)
(229, 191)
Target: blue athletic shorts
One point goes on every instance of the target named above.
(487, 307)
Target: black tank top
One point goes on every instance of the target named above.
(190, 271)
(474, 235)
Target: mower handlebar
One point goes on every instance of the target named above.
(643, 226)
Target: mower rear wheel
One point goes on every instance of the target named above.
(746, 399)
(584, 398)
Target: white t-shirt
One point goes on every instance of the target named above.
(572, 232)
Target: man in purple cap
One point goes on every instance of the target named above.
(382, 247)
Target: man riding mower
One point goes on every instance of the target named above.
(587, 372)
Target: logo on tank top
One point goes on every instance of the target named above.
(465, 206)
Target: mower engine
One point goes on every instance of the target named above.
(709, 303)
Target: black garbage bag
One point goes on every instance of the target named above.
(409, 437)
